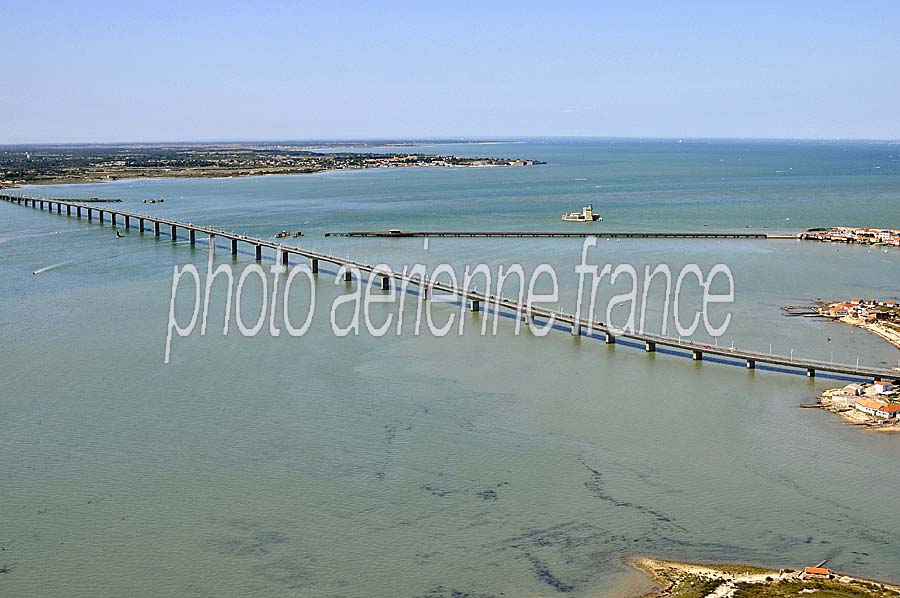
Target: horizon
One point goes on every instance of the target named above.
(444, 140)
(204, 71)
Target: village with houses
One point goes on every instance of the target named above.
(863, 236)
(875, 405)
(881, 317)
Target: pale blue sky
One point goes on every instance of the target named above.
(89, 71)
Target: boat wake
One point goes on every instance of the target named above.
(67, 263)
(53, 267)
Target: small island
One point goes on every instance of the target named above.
(685, 580)
(31, 165)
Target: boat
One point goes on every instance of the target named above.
(585, 215)
(281, 235)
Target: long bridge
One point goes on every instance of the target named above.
(577, 326)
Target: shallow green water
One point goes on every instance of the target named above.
(422, 466)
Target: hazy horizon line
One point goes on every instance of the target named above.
(430, 139)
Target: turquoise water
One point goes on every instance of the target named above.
(421, 466)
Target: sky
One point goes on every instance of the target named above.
(194, 71)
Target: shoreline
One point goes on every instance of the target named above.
(689, 580)
(238, 175)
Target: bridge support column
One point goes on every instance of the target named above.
(609, 338)
(212, 244)
(234, 247)
(315, 266)
(697, 355)
(127, 221)
(192, 234)
(385, 283)
(68, 210)
(475, 305)
(90, 214)
(156, 229)
(575, 330)
(101, 216)
(174, 232)
(113, 218)
(810, 372)
(59, 208)
(347, 276)
(78, 211)
(751, 364)
(424, 290)
(141, 224)
(650, 347)
(258, 253)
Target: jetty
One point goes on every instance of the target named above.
(566, 234)
(475, 301)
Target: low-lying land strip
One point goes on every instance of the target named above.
(684, 580)
(87, 164)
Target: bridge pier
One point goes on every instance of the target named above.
(174, 232)
(609, 338)
(475, 305)
(155, 229)
(810, 372)
(113, 218)
(234, 247)
(315, 266)
(285, 259)
(575, 330)
(101, 216)
(751, 364)
(141, 224)
(259, 253)
(68, 210)
(192, 234)
(650, 347)
(385, 283)
(347, 276)
(90, 214)
(78, 211)
(127, 221)
(212, 243)
(59, 208)
(697, 355)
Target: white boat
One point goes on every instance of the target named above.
(585, 215)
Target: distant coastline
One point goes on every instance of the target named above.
(53, 165)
